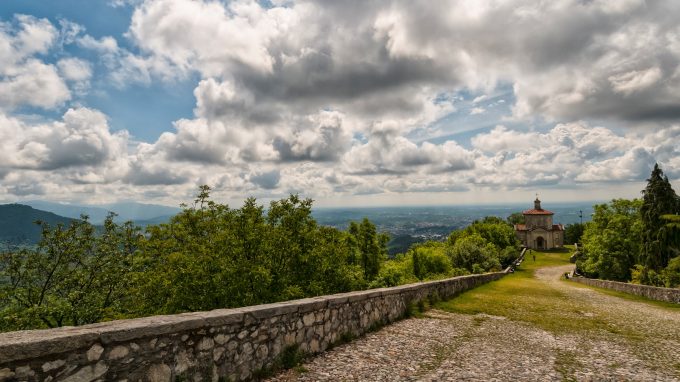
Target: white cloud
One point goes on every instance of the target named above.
(106, 44)
(187, 33)
(24, 79)
(321, 137)
(81, 140)
(325, 98)
(480, 98)
(75, 69)
(32, 83)
(388, 153)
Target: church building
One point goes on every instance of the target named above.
(538, 230)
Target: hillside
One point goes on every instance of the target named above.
(17, 223)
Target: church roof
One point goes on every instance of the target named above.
(537, 212)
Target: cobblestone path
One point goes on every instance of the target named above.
(622, 339)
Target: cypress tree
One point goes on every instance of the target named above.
(416, 264)
(659, 199)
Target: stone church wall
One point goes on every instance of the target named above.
(219, 345)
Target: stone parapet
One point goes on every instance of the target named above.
(651, 292)
(223, 344)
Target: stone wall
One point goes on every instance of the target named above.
(654, 293)
(219, 345)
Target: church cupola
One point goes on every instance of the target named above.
(537, 204)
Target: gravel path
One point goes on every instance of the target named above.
(445, 346)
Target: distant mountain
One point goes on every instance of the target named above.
(137, 212)
(155, 221)
(96, 214)
(17, 223)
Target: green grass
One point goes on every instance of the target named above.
(522, 297)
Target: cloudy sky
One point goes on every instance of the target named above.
(350, 103)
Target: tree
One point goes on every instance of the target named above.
(73, 277)
(370, 247)
(611, 240)
(416, 264)
(493, 231)
(659, 199)
(474, 254)
(516, 218)
(573, 233)
(210, 256)
(673, 228)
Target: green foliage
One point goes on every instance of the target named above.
(516, 218)
(573, 233)
(474, 254)
(658, 238)
(636, 240)
(395, 272)
(432, 261)
(486, 245)
(671, 274)
(291, 356)
(72, 277)
(425, 261)
(611, 240)
(210, 256)
(370, 248)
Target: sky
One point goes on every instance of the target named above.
(352, 103)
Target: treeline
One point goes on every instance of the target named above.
(635, 240)
(484, 246)
(210, 256)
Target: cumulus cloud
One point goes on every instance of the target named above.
(24, 79)
(82, 139)
(326, 97)
(388, 153)
(323, 139)
(267, 180)
(187, 32)
(565, 59)
(572, 153)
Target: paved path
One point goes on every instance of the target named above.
(447, 346)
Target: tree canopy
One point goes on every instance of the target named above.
(212, 256)
(658, 199)
(636, 240)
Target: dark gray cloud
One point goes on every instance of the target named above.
(268, 180)
(26, 189)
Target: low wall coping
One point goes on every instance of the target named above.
(27, 344)
(653, 292)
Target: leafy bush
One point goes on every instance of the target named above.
(430, 261)
(474, 254)
(611, 241)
